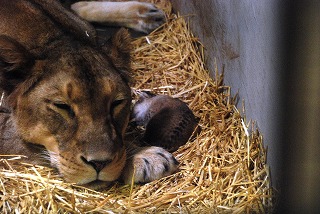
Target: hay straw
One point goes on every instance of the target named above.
(222, 170)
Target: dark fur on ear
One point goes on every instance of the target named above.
(15, 62)
(118, 48)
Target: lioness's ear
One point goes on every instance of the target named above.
(118, 49)
(15, 62)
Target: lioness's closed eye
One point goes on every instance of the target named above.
(67, 98)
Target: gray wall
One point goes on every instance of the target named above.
(243, 37)
(271, 54)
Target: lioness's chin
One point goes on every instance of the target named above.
(97, 184)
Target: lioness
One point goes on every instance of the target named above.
(67, 99)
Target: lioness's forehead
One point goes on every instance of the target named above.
(106, 87)
(77, 78)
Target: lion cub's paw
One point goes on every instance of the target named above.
(148, 164)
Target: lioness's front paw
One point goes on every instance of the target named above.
(148, 164)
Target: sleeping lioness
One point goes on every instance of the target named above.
(66, 99)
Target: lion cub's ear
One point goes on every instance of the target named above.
(15, 62)
(119, 49)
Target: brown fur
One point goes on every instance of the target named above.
(67, 99)
(63, 91)
(168, 121)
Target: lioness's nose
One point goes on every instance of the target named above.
(98, 165)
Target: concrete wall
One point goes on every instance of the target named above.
(243, 37)
(271, 54)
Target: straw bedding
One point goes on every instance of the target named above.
(222, 170)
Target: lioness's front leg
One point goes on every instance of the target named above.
(140, 16)
(145, 164)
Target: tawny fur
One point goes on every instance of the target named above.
(67, 99)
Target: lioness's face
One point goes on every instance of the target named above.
(78, 110)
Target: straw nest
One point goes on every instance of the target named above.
(222, 170)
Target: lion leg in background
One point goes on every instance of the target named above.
(139, 16)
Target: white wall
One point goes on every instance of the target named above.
(243, 36)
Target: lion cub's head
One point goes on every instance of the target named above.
(75, 102)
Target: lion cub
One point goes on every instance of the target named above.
(168, 121)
